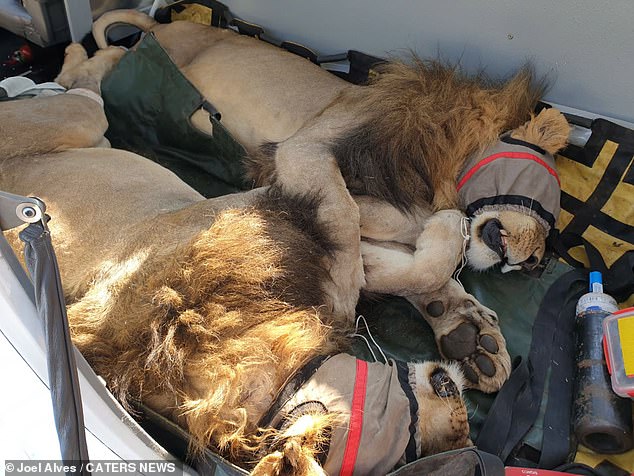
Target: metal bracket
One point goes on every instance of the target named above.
(16, 210)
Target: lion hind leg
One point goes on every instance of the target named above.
(89, 73)
(74, 55)
(468, 333)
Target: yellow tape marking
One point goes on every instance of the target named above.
(619, 206)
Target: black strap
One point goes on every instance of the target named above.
(402, 370)
(556, 440)
(517, 404)
(62, 369)
(247, 28)
(291, 387)
(211, 109)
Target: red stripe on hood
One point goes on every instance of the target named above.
(506, 155)
(355, 427)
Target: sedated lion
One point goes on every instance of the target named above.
(203, 309)
(414, 170)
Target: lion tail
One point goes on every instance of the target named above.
(119, 17)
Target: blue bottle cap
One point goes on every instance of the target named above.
(596, 282)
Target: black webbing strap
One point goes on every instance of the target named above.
(402, 370)
(517, 404)
(247, 28)
(62, 369)
(290, 388)
(556, 443)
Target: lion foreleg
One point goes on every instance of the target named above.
(309, 168)
(383, 222)
(398, 270)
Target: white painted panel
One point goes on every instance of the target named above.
(586, 46)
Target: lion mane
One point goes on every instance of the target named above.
(194, 330)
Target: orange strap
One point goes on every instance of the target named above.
(355, 427)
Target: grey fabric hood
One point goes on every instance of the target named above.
(389, 413)
(512, 175)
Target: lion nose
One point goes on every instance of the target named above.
(531, 262)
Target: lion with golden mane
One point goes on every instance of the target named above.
(416, 172)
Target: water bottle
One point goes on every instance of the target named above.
(602, 420)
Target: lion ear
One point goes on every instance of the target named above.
(548, 130)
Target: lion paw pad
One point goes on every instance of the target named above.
(479, 354)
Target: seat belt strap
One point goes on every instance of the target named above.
(62, 370)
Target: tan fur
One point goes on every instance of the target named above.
(201, 309)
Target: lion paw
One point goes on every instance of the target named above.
(467, 332)
(481, 352)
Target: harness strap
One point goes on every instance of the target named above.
(290, 388)
(355, 426)
(411, 451)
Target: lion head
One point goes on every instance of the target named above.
(430, 137)
(511, 192)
